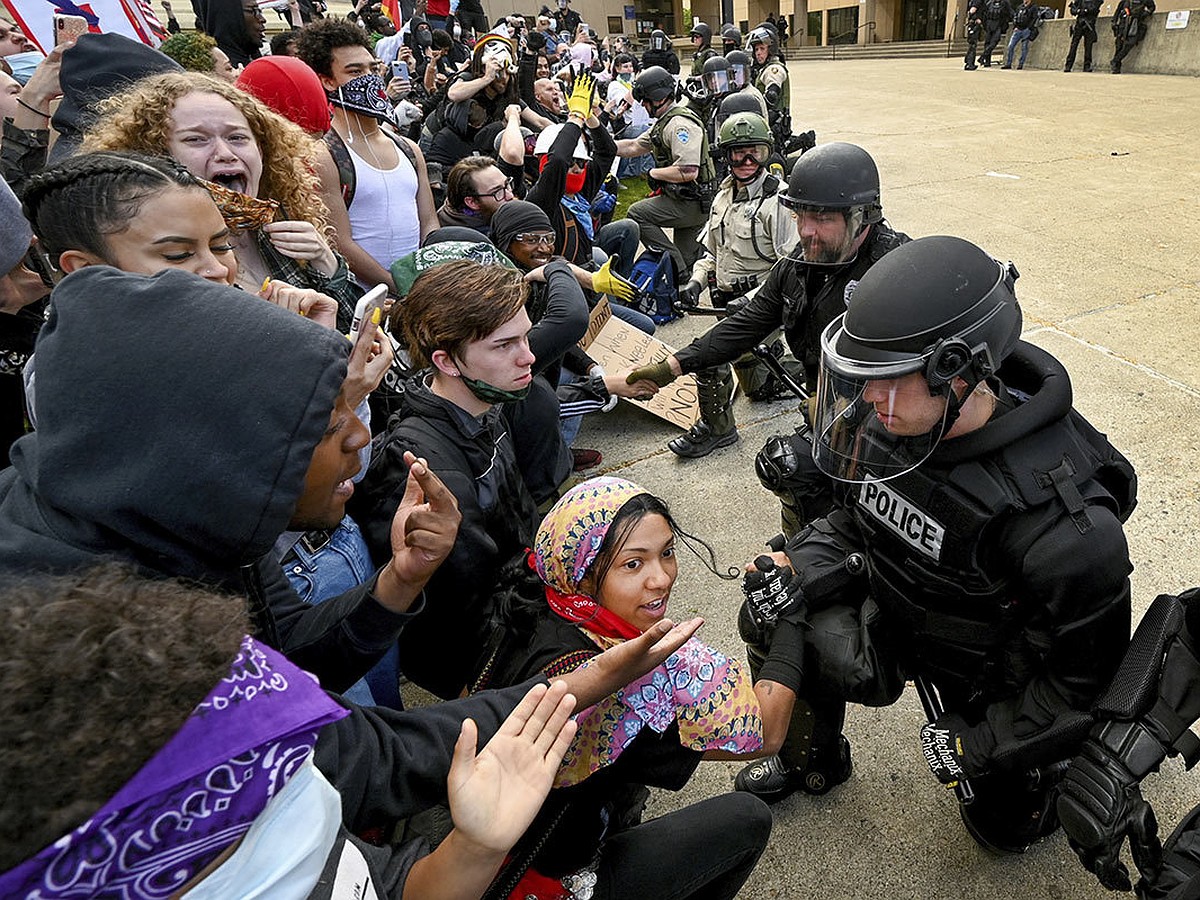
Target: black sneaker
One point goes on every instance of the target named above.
(699, 440)
(771, 781)
(970, 68)
(1006, 67)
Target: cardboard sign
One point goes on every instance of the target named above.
(600, 314)
(618, 346)
(1178, 19)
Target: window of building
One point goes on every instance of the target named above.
(812, 34)
(843, 25)
(923, 20)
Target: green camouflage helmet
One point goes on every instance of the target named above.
(744, 129)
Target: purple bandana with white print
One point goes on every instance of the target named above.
(195, 797)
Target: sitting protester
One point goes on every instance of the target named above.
(605, 562)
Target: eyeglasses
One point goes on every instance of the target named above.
(499, 193)
(545, 238)
(579, 163)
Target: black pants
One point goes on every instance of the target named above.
(705, 851)
(995, 31)
(1088, 36)
(1124, 48)
(972, 43)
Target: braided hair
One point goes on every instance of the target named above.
(76, 204)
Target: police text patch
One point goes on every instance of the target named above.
(898, 513)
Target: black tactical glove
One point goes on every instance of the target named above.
(941, 745)
(689, 295)
(1101, 804)
(771, 94)
(771, 591)
(653, 183)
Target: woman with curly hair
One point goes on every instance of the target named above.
(257, 165)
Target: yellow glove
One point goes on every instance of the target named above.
(606, 281)
(660, 373)
(580, 100)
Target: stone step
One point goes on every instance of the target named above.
(909, 49)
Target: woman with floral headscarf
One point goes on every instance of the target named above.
(605, 562)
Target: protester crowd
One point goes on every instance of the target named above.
(293, 371)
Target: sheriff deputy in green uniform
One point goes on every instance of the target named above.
(748, 231)
(770, 74)
(683, 172)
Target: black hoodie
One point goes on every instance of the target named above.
(225, 22)
(176, 422)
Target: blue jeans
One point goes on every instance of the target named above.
(331, 570)
(1022, 35)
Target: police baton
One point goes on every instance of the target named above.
(931, 702)
(772, 362)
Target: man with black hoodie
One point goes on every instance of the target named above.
(238, 27)
(242, 430)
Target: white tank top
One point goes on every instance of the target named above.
(383, 214)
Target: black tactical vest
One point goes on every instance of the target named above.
(934, 534)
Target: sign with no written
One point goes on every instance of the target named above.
(619, 346)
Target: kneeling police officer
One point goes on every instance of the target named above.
(976, 544)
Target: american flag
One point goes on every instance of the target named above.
(149, 28)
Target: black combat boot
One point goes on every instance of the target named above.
(716, 427)
(771, 780)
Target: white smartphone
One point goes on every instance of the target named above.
(366, 306)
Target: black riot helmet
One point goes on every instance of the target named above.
(731, 37)
(715, 76)
(925, 327)
(835, 177)
(703, 32)
(658, 40)
(740, 65)
(655, 84)
(737, 103)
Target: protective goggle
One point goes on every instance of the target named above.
(533, 239)
(760, 153)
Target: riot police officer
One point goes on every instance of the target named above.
(1144, 716)
(661, 53)
(833, 193)
(770, 73)
(1128, 28)
(1085, 12)
(976, 544)
(741, 73)
(997, 14)
(701, 36)
(683, 170)
(731, 39)
(974, 28)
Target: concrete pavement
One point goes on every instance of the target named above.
(1089, 182)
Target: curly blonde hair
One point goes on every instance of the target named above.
(139, 119)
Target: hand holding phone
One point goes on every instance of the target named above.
(68, 28)
(366, 306)
(400, 70)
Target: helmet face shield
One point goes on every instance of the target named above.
(738, 74)
(716, 83)
(874, 420)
